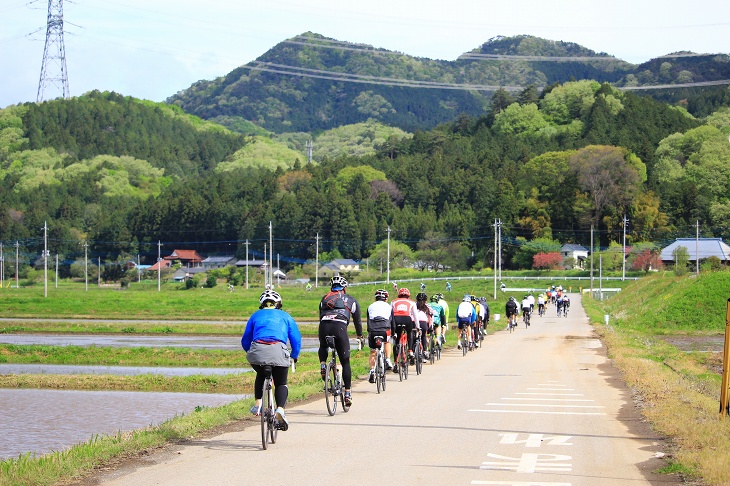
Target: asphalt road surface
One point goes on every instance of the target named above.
(538, 407)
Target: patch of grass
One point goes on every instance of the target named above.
(678, 394)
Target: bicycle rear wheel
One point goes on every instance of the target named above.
(378, 370)
(330, 393)
(264, 412)
(419, 357)
(432, 350)
(271, 419)
(464, 344)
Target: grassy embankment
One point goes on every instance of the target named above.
(143, 304)
(679, 390)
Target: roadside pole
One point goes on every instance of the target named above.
(724, 411)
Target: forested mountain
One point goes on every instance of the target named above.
(310, 83)
(548, 164)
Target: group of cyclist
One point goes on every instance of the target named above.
(471, 314)
(553, 295)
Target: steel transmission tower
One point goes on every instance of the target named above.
(53, 69)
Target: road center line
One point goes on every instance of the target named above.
(534, 412)
(541, 405)
(549, 399)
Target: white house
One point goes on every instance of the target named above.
(702, 248)
(576, 252)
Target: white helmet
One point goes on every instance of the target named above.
(269, 295)
(338, 281)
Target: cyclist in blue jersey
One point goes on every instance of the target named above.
(264, 341)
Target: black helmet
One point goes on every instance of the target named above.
(421, 297)
(435, 298)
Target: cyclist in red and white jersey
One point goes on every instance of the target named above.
(405, 317)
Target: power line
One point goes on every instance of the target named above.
(53, 67)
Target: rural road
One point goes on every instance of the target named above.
(539, 407)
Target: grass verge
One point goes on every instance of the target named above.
(678, 394)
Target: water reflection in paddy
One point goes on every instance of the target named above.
(41, 421)
(47, 369)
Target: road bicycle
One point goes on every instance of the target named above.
(334, 390)
(565, 310)
(379, 364)
(541, 310)
(434, 348)
(512, 323)
(526, 318)
(269, 424)
(464, 340)
(401, 354)
(479, 336)
(417, 349)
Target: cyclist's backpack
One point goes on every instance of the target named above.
(334, 300)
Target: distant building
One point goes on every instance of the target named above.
(702, 248)
(218, 262)
(159, 265)
(184, 273)
(578, 253)
(188, 258)
(338, 266)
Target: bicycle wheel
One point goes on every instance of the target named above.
(419, 357)
(330, 392)
(383, 373)
(432, 350)
(271, 419)
(264, 412)
(378, 370)
(464, 344)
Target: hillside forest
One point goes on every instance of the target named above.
(123, 174)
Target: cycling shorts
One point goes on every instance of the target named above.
(463, 322)
(384, 334)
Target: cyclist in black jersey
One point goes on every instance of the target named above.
(335, 310)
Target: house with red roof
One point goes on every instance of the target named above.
(188, 258)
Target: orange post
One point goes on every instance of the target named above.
(724, 410)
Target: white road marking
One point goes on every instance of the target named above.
(552, 389)
(535, 440)
(536, 412)
(520, 483)
(550, 399)
(541, 405)
(529, 463)
(551, 394)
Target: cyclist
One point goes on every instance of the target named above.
(405, 317)
(439, 318)
(425, 321)
(526, 309)
(510, 310)
(531, 298)
(445, 321)
(541, 304)
(559, 304)
(448, 286)
(423, 287)
(485, 316)
(264, 341)
(466, 315)
(480, 314)
(380, 323)
(566, 305)
(335, 310)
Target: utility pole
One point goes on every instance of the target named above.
(139, 274)
(2, 266)
(499, 229)
(387, 279)
(86, 264)
(592, 261)
(45, 259)
(316, 264)
(247, 264)
(494, 267)
(266, 272)
(53, 67)
(17, 246)
(697, 248)
(98, 275)
(271, 254)
(56, 270)
(623, 256)
(159, 263)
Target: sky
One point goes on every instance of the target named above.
(153, 49)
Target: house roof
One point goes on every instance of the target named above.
(343, 262)
(704, 248)
(218, 259)
(161, 264)
(573, 247)
(251, 263)
(188, 255)
(189, 271)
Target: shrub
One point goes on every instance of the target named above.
(211, 281)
